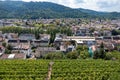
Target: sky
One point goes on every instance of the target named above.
(97, 5)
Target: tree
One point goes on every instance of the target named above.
(92, 30)
(52, 37)
(26, 23)
(37, 35)
(84, 54)
(54, 55)
(96, 54)
(115, 32)
(102, 51)
(9, 47)
(108, 56)
(7, 51)
(81, 48)
(4, 44)
(72, 55)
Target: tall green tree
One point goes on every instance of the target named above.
(102, 51)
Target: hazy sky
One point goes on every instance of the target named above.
(98, 5)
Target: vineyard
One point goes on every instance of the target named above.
(61, 70)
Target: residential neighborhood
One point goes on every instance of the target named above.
(26, 44)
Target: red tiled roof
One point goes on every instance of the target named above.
(19, 56)
(4, 56)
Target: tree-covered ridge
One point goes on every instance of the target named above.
(35, 10)
(109, 15)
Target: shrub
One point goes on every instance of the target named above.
(72, 55)
(108, 56)
(84, 54)
(116, 54)
(4, 44)
(7, 51)
(96, 54)
(100, 53)
(54, 55)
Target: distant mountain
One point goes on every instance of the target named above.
(18, 9)
(111, 15)
(92, 12)
(35, 10)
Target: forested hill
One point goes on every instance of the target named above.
(110, 15)
(35, 10)
(13, 9)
